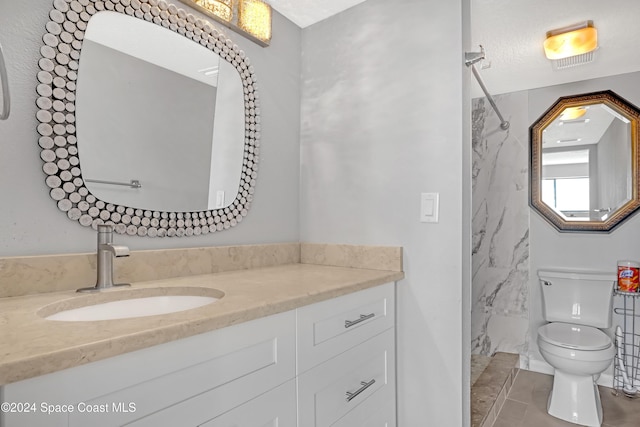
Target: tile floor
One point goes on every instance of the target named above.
(526, 405)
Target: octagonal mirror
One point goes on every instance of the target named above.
(584, 162)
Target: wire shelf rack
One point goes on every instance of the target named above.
(627, 306)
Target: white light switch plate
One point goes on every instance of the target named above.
(429, 207)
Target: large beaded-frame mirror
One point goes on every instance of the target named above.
(59, 64)
(584, 162)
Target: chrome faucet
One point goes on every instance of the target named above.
(106, 252)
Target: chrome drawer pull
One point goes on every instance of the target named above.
(363, 317)
(365, 386)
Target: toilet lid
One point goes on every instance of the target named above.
(574, 336)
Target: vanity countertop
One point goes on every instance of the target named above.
(32, 346)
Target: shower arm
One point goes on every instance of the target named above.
(470, 59)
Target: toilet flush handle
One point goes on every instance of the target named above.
(546, 283)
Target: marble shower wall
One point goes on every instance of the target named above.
(500, 251)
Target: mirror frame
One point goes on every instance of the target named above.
(56, 88)
(618, 104)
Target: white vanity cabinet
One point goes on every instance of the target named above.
(346, 361)
(272, 409)
(181, 383)
(326, 364)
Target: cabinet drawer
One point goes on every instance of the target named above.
(342, 384)
(276, 408)
(377, 411)
(331, 327)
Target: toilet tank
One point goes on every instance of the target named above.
(584, 298)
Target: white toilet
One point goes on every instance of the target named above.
(576, 304)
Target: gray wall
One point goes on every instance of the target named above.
(30, 222)
(382, 121)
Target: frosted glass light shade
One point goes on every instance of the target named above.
(251, 18)
(254, 17)
(571, 41)
(220, 8)
(573, 113)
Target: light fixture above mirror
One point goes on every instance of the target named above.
(250, 18)
(220, 8)
(572, 45)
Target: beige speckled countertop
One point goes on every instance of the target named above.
(32, 346)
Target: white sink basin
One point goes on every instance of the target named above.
(129, 304)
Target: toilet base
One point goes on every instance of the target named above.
(575, 399)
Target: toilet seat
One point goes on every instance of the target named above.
(578, 337)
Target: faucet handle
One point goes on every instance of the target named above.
(120, 250)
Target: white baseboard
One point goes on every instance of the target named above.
(605, 380)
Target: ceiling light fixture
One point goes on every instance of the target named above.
(251, 18)
(573, 113)
(571, 46)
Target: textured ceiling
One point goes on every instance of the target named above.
(512, 32)
(307, 12)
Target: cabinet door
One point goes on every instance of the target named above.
(213, 372)
(331, 327)
(232, 379)
(346, 382)
(276, 408)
